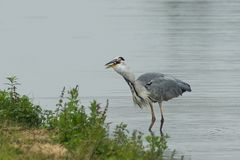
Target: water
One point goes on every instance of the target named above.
(51, 44)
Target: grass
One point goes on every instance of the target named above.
(28, 143)
(28, 132)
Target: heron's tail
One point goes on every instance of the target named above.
(184, 86)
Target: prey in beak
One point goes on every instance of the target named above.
(114, 62)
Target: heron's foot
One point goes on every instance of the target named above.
(152, 133)
(152, 123)
(150, 129)
(161, 126)
(161, 132)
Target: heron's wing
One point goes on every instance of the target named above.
(147, 77)
(163, 87)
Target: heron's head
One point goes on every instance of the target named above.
(115, 62)
(121, 68)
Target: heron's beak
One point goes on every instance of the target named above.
(111, 64)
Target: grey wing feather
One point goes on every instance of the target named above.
(163, 87)
(183, 85)
(147, 77)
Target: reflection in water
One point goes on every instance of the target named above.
(51, 46)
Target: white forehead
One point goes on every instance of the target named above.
(117, 57)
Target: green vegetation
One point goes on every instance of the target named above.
(16, 108)
(72, 131)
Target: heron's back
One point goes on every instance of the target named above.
(147, 77)
(163, 87)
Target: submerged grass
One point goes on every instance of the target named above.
(68, 132)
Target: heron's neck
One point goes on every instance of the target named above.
(139, 92)
(126, 72)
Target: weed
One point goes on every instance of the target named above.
(87, 135)
(15, 108)
(82, 133)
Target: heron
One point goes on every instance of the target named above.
(150, 87)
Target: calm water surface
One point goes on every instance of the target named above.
(51, 44)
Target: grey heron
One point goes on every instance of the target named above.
(149, 88)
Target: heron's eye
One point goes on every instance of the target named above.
(117, 62)
(121, 58)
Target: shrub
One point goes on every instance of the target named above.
(16, 108)
(73, 124)
(87, 136)
(83, 131)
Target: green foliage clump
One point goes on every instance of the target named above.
(82, 131)
(16, 108)
(87, 135)
(73, 124)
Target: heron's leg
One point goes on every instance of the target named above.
(153, 117)
(162, 118)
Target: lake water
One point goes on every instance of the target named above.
(51, 44)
